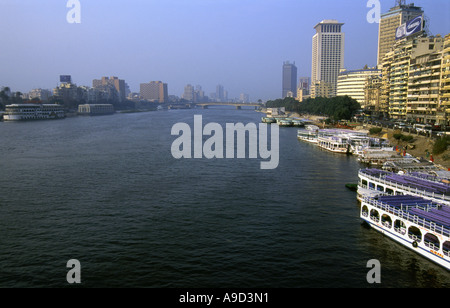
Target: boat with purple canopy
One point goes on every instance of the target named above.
(410, 208)
(417, 223)
(374, 182)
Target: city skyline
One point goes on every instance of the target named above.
(238, 44)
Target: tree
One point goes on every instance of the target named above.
(337, 108)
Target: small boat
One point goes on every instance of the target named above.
(298, 123)
(308, 136)
(284, 122)
(269, 120)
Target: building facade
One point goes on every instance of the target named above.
(372, 98)
(424, 86)
(41, 94)
(115, 83)
(389, 23)
(352, 83)
(155, 91)
(411, 74)
(444, 108)
(327, 56)
(289, 80)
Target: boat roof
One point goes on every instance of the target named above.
(412, 180)
(33, 105)
(421, 207)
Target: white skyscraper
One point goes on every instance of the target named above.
(327, 58)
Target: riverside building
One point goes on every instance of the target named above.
(407, 89)
(444, 108)
(327, 58)
(389, 23)
(352, 83)
(155, 91)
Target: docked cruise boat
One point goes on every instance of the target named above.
(336, 144)
(410, 208)
(307, 135)
(28, 112)
(286, 122)
(374, 182)
(415, 222)
(269, 120)
(298, 123)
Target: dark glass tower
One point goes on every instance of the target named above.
(289, 79)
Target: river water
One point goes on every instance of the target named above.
(107, 192)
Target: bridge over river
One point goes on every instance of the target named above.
(237, 105)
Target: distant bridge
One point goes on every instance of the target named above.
(237, 105)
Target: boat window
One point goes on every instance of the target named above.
(374, 215)
(415, 234)
(446, 248)
(386, 221)
(431, 241)
(380, 188)
(400, 226)
(371, 185)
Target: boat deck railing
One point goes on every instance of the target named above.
(403, 213)
(414, 190)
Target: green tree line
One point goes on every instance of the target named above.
(336, 108)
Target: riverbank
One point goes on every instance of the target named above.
(420, 146)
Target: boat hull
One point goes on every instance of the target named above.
(435, 256)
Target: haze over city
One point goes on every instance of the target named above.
(240, 44)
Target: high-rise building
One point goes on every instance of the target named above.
(303, 89)
(410, 78)
(444, 109)
(289, 80)
(244, 98)
(352, 83)
(155, 91)
(327, 57)
(189, 93)
(389, 23)
(424, 84)
(113, 82)
(41, 94)
(220, 96)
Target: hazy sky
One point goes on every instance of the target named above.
(240, 44)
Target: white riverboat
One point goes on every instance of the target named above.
(28, 112)
(269, 120)
(307, 135)
(415, 222)
(284, 122)
(335, 144)
(410, 208)
(374, 182)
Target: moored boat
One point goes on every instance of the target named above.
(307, 135)
(29, 112)
(298, 123)
(284, 122)
(269, 120)
(415, 222)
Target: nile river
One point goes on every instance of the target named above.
(108, 192)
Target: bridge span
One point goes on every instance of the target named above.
(237, 105)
